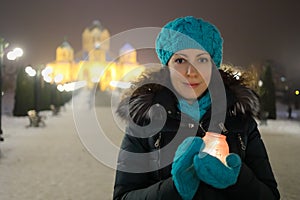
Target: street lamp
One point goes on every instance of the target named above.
(14, 54)
(30, 71)
(11, 55)
(3, 45)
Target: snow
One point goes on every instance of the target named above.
(53, 163)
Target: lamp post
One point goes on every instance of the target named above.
(12, 55)
(297, 93)
(3, 45)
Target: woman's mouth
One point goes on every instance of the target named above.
(192, 85)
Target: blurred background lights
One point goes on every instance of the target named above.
(283, 79)
(30, 71)
(95, 79)
(120, 84)
(14, 54)
(58, 78)
(60, 88)
(48, 70)
(18, 52)
(46, 74)
(71, 86)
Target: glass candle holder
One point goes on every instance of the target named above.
(216, 145)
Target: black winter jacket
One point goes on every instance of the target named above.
(256, 180)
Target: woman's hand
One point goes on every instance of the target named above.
(183, 173)
(215, 173)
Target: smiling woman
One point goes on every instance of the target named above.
(171, 162)
(190, 72)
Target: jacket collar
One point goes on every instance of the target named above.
(154, 88)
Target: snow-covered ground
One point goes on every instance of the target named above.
(52, 162)
(282, 139)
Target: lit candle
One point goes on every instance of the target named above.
(216, 145)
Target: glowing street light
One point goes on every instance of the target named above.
(46, 74)
(60, 87)
(71, 86)
(3, 45)
(297, 92)
(14, 54)
(58, 78)
(30, 71)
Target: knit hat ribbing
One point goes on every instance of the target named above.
(189, 33)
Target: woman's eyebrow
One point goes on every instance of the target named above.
(181, 54)
(184, 55)
(202, 54)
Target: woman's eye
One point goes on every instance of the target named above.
(203, 60)
(179, 60)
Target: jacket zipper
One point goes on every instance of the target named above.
(223, 128)
(243, 146)
(201, 127)
(157, 146)
(157, 142)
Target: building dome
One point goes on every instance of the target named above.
(65, 45)
(128, 54)
(65, 52)
(96, 24)
(94, 36)
(127, 48)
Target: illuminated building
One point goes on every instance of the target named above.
(93, 63)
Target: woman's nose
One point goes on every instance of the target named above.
(191, 71)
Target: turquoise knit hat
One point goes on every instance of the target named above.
(189, 33)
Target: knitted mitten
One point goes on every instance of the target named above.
(213, 172)
(183, 172)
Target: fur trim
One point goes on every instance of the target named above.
(245, 100)
(137, 101)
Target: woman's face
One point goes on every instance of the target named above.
(190, 72)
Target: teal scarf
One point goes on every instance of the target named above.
(197, 109)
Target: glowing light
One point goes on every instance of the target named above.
(79, 84)
(216, 145)
(48, 70)
(260, 83)
(58, 78)
(297, 92)
(60, 88)
(11, 56)
(95, 79)
(16, 53)
(30, 71)
(71, 86)
(47, 79)
(120, 84)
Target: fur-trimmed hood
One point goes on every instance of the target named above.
(152, 88)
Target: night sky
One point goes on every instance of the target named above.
(253, 30)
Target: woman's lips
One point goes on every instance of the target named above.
(193, 85)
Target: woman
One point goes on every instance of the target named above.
(190, 50)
